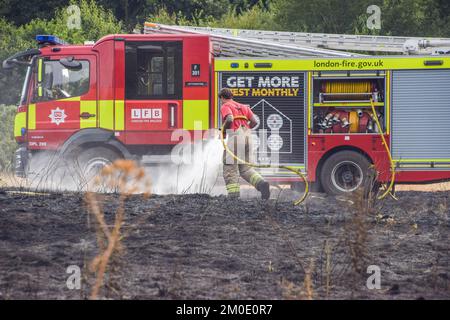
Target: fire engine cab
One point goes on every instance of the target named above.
(125, 96)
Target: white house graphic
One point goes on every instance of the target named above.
(274, 124)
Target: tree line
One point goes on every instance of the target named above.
(21, 20)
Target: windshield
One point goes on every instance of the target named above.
(58, 82)
(26, 83)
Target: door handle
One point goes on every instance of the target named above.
(173, 115)
(87, 115)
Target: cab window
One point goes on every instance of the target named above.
(58, 82)
(153, 70)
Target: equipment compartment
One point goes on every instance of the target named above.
(342, 102)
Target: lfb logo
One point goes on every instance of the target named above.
(146, 113)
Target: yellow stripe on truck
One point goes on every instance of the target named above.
(20, 121)
(32, 117)
(106, 114)
(40, 73)
(195, 114)
(308, 64)
(89, 107)
(70, 99)
(119, 119)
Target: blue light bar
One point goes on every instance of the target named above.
(49, 39)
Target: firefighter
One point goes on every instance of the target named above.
(239, 141)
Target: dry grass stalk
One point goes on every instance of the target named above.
(126, 177)
(290, 290)
(308, 283)
(357, 232)
(328, 267)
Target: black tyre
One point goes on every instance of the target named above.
(344, 172)
(90, 162)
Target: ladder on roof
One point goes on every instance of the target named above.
(308, 44)
(225, 45)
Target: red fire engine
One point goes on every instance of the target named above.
(125, 95)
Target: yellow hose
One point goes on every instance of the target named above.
(342, 87)
(296, 171)
(348, 87)
(391, 185)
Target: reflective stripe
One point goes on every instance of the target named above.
(310, 95)
(106, 114)
(119, 117)
(20, 121)
(422, 160)
(324, 64)
(255, 179)
(91, 108)
(32, 117)
(233, 188)
(40, 71)
(71, 99)
(195, 111)
(388, 102)
(216, 90)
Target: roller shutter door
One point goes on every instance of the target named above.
(421, 114)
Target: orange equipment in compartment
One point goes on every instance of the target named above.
(338, 121)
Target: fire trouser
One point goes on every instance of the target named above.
(241, 143)
(261, 166)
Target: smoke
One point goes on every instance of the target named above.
(195, 168)
(50, 171)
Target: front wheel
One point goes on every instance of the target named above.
(344, 172)
(90, 163)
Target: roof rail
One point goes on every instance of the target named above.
(325, 41)
(226, 45)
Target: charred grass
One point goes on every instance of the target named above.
(196, 246)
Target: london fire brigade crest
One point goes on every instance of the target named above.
(58, 116)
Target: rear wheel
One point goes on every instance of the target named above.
(344, 172)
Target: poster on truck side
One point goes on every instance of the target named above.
(278, 100)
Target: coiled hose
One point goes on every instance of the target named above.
(262, 166)
(356, 90)
(391, 184)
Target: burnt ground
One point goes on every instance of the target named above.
(202, 247)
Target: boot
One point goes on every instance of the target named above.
(234, 195)
(264, 188)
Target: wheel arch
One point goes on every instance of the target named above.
(88, 138)
(333, 151)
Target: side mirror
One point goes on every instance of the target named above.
(70, 63)
(7, 65)
(21, 58)
(10, 64)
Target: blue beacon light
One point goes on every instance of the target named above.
(49, 39)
